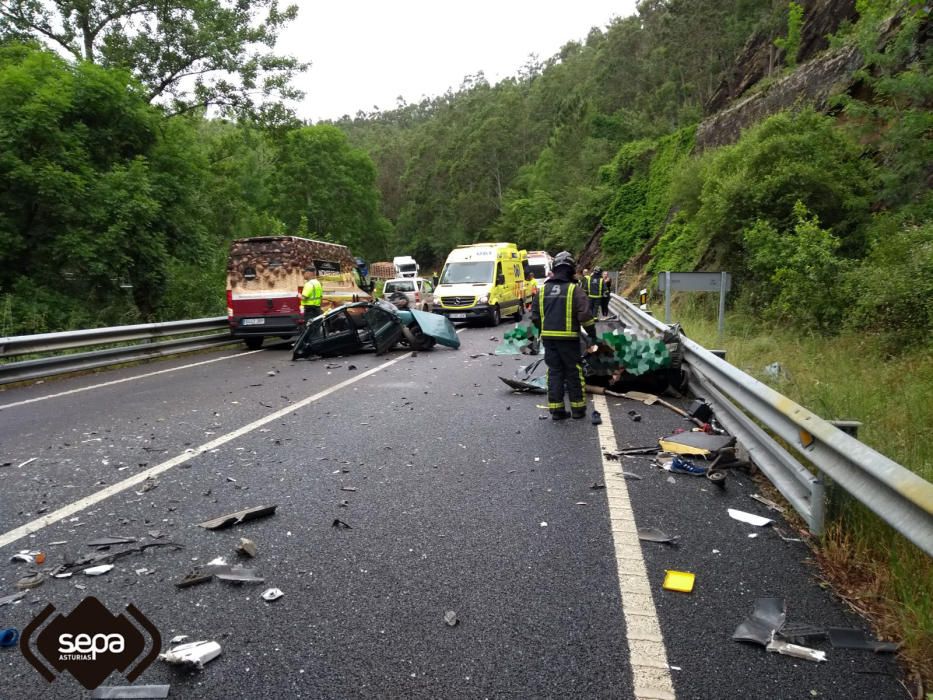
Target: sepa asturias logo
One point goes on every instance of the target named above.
(90, 643)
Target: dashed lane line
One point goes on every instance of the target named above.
(651, 675)
(129, 482)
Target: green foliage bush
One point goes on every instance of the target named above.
(641, 173)
(892, 288)
(799, 270)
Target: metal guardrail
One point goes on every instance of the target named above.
(899, 496)
(151, 346)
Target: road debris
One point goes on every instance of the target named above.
(238, 517)
(690, 443)
(98, 570)
(749, 518)
(193, 655)
(768, 616)
(31, 581)
(846, 638)
(348, 488)
(795, 650)
(28, 461)
(596, 418)
(678, 581)
(450, 617)
(597, 485)
(768, 502)
(653, 534)
(107, 557)
(110, 541)
(9, 637)
(340, 524)
(129, 692)
(247, 547)
(12, 598)
(678, 465)
(271, 594)
(28, 556)
(237, 574)
(635, 416)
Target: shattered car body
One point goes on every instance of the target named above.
(375, 326)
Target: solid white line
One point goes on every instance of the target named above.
(651, 676)
(129, 482)
(125, 379)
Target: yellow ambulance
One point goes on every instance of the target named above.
(484, 282)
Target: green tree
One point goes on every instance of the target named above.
(322, 178)
(186, 52)
(790, 44)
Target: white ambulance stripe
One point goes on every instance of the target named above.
(651, 675)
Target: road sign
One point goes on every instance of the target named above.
(696, 281)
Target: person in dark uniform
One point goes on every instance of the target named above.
(607, 294)
(594, 290)
(561, 310)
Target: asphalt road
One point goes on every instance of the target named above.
(463, 500)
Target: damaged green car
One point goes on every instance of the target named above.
(377, 326)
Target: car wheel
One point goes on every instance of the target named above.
(494, 316)
(254, 342)
(519, 312)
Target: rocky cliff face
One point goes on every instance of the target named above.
(761, 58)
(811, 84)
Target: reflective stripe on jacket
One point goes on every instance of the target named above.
(555, 307)
(590, 291)
(312, 293)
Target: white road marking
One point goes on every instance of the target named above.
(651, 674)
(188, 455)
(125, 379)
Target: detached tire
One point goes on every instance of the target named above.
(494, 316)
(254, 342)
(417, 340)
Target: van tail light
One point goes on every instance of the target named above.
(229, 303)
(417, 296)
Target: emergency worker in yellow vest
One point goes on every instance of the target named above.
(311, 295)
(560, 310)
(594, 289)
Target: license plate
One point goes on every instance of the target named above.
(253, 321)
(456, 315)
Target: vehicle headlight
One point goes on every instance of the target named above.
(483, 300)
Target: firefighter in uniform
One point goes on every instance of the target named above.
(311, 295)
(559, 312)
(594, 290)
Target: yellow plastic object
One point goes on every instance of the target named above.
(679, 581)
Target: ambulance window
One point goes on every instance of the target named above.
(249, 273)
(499, 274)
(274, 262)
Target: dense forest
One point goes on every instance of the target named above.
(128, 161)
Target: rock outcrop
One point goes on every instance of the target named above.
(811, 84)
(760, 58)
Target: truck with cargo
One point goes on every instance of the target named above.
(265, 276)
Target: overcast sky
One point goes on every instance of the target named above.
(366, 53)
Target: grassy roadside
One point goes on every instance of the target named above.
(853, 376)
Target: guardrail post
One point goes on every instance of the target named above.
(817, 507)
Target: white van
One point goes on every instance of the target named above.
(418, 290)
